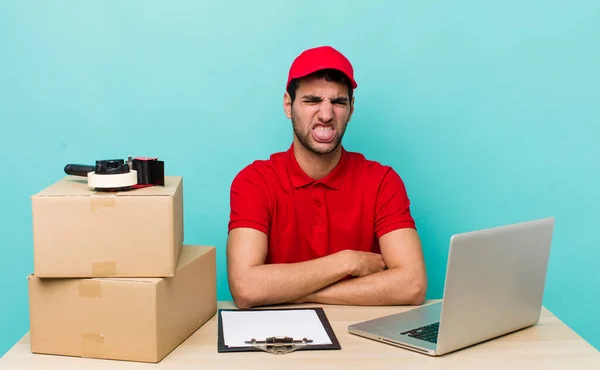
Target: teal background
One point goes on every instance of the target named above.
(489, 112)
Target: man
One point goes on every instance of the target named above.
(317, 223)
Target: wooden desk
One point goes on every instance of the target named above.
(548, 345)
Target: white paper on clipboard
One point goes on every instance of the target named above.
(241, 326)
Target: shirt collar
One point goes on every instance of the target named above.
(299, 178)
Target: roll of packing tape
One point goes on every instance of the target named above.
(112, 181)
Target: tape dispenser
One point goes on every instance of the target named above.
(120, 175)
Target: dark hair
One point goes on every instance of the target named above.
(331, 75)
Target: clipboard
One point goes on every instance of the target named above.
(279, 342)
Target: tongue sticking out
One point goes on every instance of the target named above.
(323, 134)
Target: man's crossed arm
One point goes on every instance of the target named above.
(396, 277)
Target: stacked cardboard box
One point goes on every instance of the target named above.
(112, 278)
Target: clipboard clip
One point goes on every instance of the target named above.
(279, 345)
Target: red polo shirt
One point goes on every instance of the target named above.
(358, 202)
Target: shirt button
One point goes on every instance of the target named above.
(318, 203)
(318, 222)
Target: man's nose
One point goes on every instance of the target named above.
(325, 111)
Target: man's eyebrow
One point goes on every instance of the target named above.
(341, 99)
(312, 97)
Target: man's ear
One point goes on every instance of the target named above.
(351, 109)
(287, 105)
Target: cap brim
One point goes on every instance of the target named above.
(319, 68)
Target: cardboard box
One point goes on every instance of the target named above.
(78, 232)
(132, 319)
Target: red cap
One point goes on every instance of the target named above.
(322, 57)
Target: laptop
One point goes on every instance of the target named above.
(494, 286)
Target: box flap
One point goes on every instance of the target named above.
(131, 280)
(112, 279)
(77, 186)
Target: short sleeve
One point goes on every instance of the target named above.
(392, 206)
(250, 201)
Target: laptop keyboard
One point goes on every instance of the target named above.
(427, 333)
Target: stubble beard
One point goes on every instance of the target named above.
(305, 138)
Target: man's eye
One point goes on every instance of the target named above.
(340, 103)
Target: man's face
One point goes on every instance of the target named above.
(319, 114)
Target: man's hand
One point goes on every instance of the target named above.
(254, 283)
(403, 283)
(364, 263)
